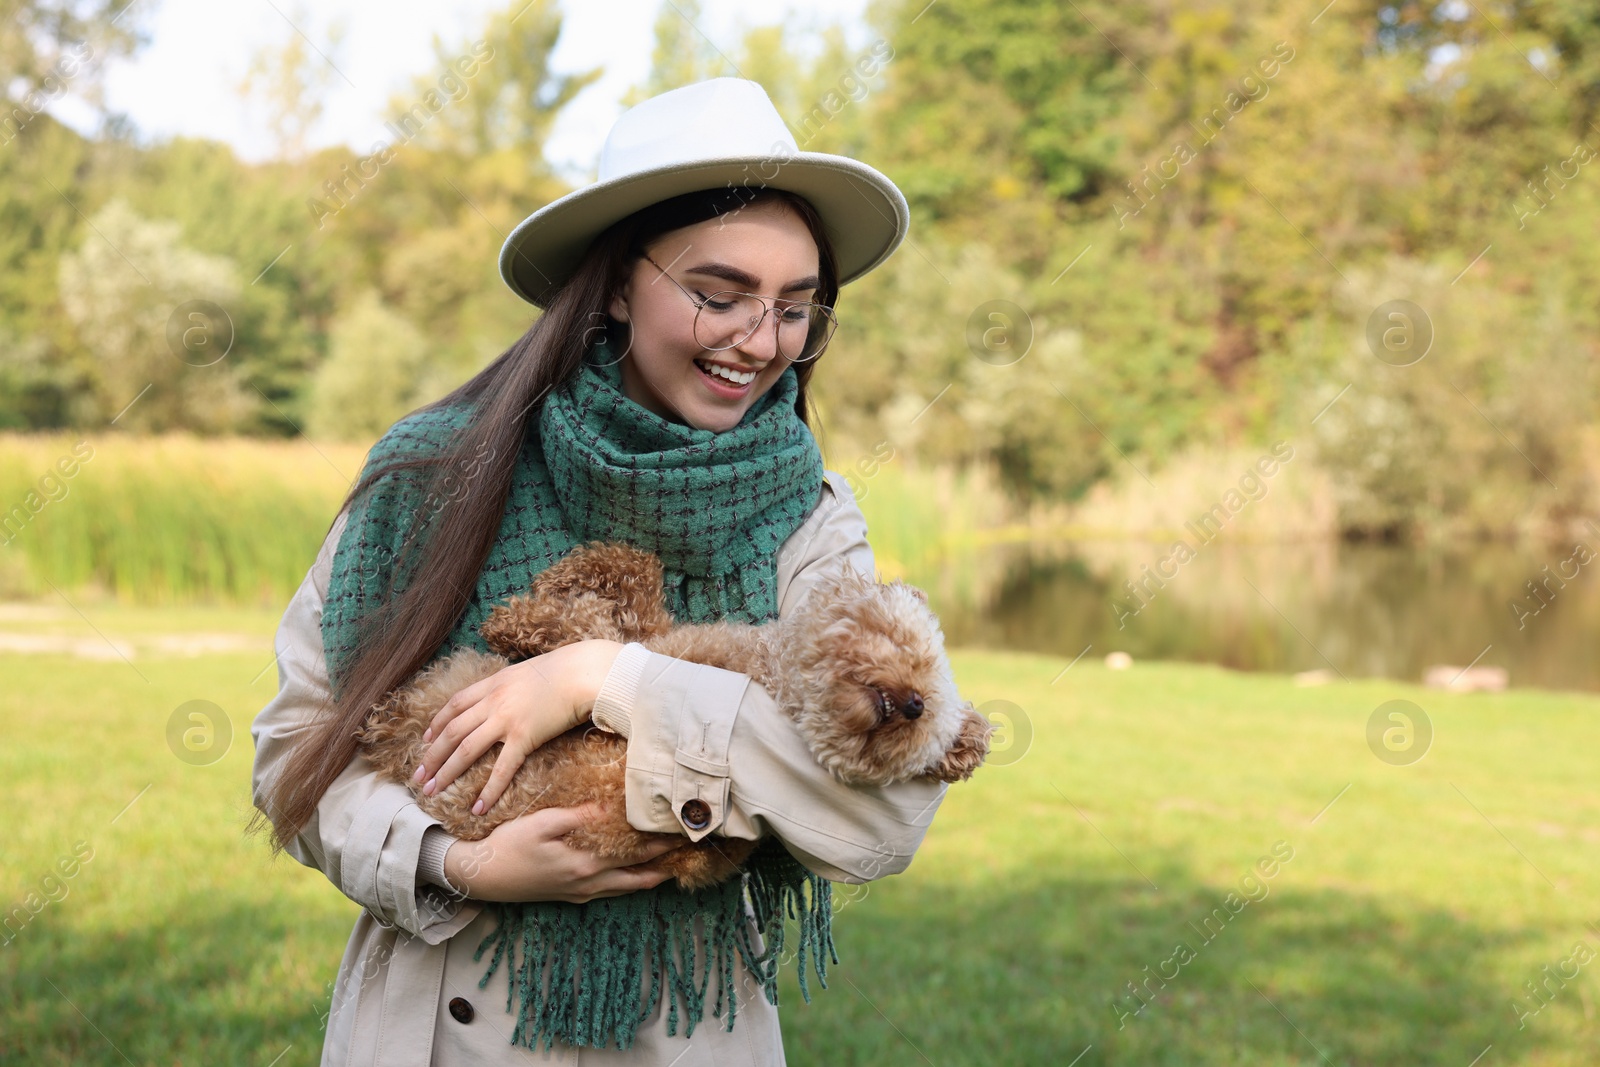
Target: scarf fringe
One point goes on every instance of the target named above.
(581, 970)
(775, 895)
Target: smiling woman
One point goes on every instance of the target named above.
(660, 401)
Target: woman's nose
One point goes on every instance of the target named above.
(762, 344)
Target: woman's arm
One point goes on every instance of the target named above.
(704, 733)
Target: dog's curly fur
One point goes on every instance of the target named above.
(860, 667)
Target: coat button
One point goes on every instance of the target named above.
(461, 1010)
(696, 814)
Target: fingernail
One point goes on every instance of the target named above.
(477, 809)
(428, 789)
(427, 735)
(421, 770)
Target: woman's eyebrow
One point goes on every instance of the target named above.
(728, 272)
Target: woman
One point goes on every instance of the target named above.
(660, 400)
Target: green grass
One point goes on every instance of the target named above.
(1412, 912)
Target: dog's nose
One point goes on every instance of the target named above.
(912, 708)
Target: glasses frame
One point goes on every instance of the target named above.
(768, 307)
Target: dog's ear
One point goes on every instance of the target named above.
(512, 627)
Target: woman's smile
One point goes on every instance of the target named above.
(725, 380)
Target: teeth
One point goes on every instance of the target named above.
(725, 372)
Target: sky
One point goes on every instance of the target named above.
(183, 81)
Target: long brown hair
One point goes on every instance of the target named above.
(447, 546)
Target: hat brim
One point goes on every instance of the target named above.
(865, 215)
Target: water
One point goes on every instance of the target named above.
(1361, 610)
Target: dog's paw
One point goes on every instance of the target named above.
(967, 754)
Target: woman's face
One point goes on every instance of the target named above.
(764, 249)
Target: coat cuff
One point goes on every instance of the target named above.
(680, 722)
(613, 705)
(436, 841)
(381, 863)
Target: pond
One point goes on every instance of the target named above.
(1360, 610)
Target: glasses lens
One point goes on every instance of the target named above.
(727, 319)
(809, 333)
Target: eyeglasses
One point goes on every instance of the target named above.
(728, 318)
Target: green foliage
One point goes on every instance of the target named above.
(682, 53)
(125, 289)
(1194, 209)
(1001, 88)
(375, 362)
(1241, 168)
(40, 384)
(289, 80)
(45, 44)
(512, 97)
(1443, 444)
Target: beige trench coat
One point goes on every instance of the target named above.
(407, 980)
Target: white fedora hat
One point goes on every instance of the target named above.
(712, 134)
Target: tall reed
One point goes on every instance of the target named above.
(177, 518)
(165, 519)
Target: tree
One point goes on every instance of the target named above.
(375, 362)
(682, 54)
(47, 45)
(161, 360)
(498, 95)
(288, 79)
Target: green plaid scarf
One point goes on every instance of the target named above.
(715, 507)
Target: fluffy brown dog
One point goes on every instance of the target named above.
(859, 667)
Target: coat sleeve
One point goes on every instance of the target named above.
(367, 832)
(697, 732)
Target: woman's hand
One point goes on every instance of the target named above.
(526, 859)
(520, 706)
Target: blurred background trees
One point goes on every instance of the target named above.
(1193, 211)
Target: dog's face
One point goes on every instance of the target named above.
(878, 703)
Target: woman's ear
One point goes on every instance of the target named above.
(618, 308)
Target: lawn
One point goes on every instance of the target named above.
(1380, 914)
